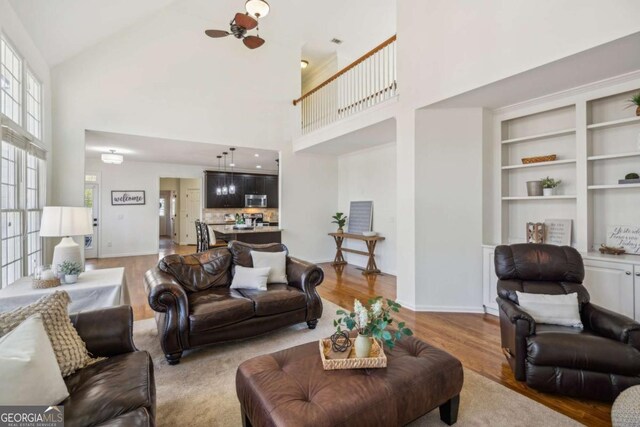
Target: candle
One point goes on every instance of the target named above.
(47, 275)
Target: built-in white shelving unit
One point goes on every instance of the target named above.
(539, 136)
(614, 123)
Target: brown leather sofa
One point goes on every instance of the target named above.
(597, 362)
(195, 305)
(118, 391)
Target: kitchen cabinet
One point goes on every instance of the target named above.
(245, 184)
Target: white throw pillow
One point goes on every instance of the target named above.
(561, 310)
(28, 367)
(277, 261)
(250, 278)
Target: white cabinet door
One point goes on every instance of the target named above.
(637, 291)
(489, 281)
(611, 285)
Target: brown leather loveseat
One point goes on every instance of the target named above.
(195, 305)
(597, 362)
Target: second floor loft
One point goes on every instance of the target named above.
(367, 81)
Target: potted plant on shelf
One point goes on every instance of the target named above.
(340, 219)
(71, 270)
(372, 323)
(549, 186)
(635, 100)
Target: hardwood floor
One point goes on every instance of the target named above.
(472, 338)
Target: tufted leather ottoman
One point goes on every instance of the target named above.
(290, 388)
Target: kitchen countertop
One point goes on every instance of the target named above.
(228, 229)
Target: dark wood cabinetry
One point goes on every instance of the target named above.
(245, 184)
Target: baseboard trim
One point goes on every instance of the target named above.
(442, 308)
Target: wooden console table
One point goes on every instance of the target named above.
(371, 242)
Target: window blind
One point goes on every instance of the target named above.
(17, 139)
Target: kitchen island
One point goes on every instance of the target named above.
(268, 234)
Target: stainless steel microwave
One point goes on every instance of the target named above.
(255, 201)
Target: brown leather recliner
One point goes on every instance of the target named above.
(597, 362)
(195, 305)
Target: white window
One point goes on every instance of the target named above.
(10, 82)
(21, 201)
(33, 94)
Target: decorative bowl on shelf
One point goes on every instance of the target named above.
(539, 159)
(369, 233)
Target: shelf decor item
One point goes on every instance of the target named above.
(340, 342)
(44, 277)
(539, 159)
(610, 250)
(635, 101)
(535, 232)
(549, 186)
(371, 323)
(557, 232)
(534, 188)
(624, 236)
(630, 178)
(340, 219)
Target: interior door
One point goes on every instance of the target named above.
(92, 200)
(192, 213)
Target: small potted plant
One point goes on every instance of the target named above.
(549, 186)
(371, 323)
(71, 270)
(635, 100)
(340, 219)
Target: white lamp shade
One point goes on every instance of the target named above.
(257, 8)
(61, 221)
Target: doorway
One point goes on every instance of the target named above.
(165, 224)
(92, 200)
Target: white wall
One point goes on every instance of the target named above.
(448, 190)
(133, 230)
(466, 44)
(371, 175)
(163, 78)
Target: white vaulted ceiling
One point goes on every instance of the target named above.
(64, 28)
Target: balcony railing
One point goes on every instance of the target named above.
(368, 81)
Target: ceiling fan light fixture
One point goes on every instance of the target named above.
(112, 158)
(304, 64)
(257, 8)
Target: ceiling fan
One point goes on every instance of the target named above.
(243, 22)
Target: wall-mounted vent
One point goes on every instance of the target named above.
(336, 41)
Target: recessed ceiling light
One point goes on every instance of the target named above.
(304, 64)
(258, 167)
(256, 155)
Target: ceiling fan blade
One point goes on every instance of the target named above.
(253, 42)
(245, 21)
(217, 33)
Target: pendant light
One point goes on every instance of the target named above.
(218, 189)
(225, 189)
(232, 186)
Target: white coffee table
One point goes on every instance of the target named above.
(95, 289)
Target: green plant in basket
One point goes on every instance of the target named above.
(373, 321)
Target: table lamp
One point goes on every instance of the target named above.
(65, 222)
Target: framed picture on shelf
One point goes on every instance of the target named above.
(557, 232)
(624, 236)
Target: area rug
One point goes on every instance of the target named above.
(200, 391)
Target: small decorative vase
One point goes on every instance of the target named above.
(638, 111)
(363, 346)
(340, 230)
(548, 191)
(70, 278)
(534, 188)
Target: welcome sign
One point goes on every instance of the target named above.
(625, 236)
(122, 198)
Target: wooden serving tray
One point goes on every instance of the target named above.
(376, 359)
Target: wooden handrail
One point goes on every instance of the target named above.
(347, 68)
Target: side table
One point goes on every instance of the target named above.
(95, 289)
(372, 267)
